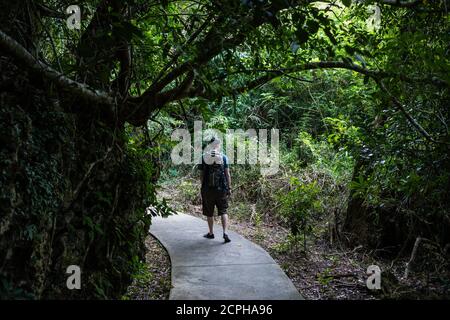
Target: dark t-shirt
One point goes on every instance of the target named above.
(204, 166)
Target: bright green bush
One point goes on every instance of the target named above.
(298, 205)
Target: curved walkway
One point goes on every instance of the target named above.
(204, 269)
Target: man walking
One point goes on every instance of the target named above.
(216, 186)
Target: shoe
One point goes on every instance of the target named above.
(225, 237)
(209, 235)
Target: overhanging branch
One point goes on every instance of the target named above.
(210, 46)
(403, 4)
(272, 74)
(137, 110)
(410, 119)
(15, 50)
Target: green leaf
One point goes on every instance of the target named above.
(313, 26)
(366, 79)
(350, 50)
(330, 36)
(302, 36)
(347, 3)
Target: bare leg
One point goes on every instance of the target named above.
(210, 224)
(224, 222)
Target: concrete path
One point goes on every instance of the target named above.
(208, 269)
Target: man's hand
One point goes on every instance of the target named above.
(229, 193)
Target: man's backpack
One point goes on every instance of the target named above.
(216, 174)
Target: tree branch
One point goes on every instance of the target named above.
(180, 51)
(48, 12)
(410, 119)
(213, 43)
(309, 66)
(14, 49)
(138, 110)
(378, 76)
(402, 4)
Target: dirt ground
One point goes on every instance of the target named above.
(153, 281)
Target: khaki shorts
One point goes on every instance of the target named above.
(214, 198)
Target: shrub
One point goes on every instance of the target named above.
(297, 205)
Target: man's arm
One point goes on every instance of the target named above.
(201, 168)
(228, 177)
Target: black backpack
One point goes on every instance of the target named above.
(215, 175)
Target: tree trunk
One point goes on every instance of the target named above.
(356, 221)
(70, 191)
